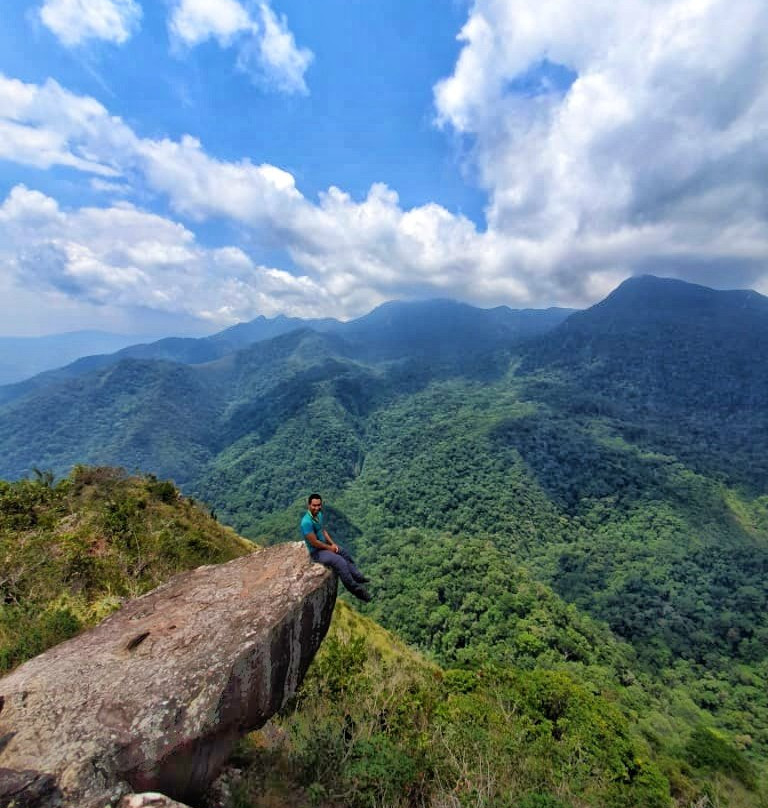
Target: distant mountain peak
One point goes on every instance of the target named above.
(656, 285)
(649, 298)
(675, 286)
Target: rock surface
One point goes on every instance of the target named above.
(154, 698)
(149, 799)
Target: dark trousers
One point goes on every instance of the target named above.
(344, 565)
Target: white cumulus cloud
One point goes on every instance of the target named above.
(75, 21)
(654, 157)
(277, 60)
(123, 256)
(195, 21)
(266, 48)
(46, 125)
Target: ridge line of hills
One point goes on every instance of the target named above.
(653, 348)
(617, 460)
(517, 323)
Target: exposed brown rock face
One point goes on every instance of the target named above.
(158, 693)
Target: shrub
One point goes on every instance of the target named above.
(708, 749)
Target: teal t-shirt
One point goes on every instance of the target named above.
(310, 525)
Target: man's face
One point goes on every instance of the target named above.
(315, 505)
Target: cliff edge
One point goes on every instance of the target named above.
(155, 697)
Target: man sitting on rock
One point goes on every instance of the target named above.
(323, 548)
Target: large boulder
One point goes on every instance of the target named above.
(154, 698)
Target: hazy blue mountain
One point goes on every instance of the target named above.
(445, 329)
(438, 329)
(22, 357)
(660, 307)
(261, 328)
(189, 350)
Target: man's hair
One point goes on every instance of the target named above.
(314, 496)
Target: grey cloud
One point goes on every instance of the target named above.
(44, 266)
(718, 273)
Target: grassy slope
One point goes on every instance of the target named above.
(377, 724)
(71, 551)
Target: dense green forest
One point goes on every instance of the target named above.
(586, 502)
(672, 561)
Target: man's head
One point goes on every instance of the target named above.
(314, 503)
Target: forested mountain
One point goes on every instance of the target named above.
(173, 405)
(186, 350)
(682, 367)
(445, 330)
(615, 459)
(438, 328)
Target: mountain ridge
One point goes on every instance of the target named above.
(366, 332)
(659, 352)
(648, 299)
(598, 360)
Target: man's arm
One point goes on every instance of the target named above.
(332, 546)
(311, 537)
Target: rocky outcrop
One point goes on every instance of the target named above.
(154, 698)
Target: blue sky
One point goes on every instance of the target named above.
(175, 167)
